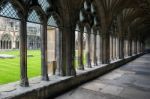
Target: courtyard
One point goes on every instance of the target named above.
(10, 67)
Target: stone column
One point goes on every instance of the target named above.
(100, 53)
(133, 45)
(141, 47)
(44, 63)
(59, 68)
(121, 48)
(23, 52)
(106, 48)
(73, 68)
(110, 48)
(0, 45)
(115, 48)
(68, 50)
(99, 48)
(88, 51)
(95, 49)
(130, 47)
(6, 45)
(136, 47)
(80, 50)
(92, 48)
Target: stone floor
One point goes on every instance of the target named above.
(131, 81)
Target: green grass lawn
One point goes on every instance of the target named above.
(76, 60)
(10, 68)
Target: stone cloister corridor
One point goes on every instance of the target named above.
(94, 49)
(131, 81)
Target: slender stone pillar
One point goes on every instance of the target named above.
(132, 47)
(0, 45)
(115, 49)
(136, 47)
(121, 48)
(88, 51)
(59, 68)
(98, 46)
(92, 48)
(44, 63)
(130, 50)
(23, 52)
(80, 50)
(112, 49)
(95, 49)
(101, 51)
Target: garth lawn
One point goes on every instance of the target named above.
(10, 68)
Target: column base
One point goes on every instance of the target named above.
(24, 83)
(81, 67)
(89, 64)
(45, 78)
(59, 72)
(73, 72)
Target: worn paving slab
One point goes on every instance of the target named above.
(131, 81)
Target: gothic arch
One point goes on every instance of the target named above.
(56, 17)
(41, 14)
(16, 5)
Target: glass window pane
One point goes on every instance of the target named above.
(44, 4)
(7, 10)
(52, 22)
(33, 17)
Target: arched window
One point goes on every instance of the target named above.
(8, 21)
(34, 31)
(34, 17)
(7, 10)
(52, 22)
(53, 43)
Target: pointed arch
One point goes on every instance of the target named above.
(54, 20)
(36, 15)
(11, 9)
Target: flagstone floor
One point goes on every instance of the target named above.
(131, 81)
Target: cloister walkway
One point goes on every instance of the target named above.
(131, 81)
